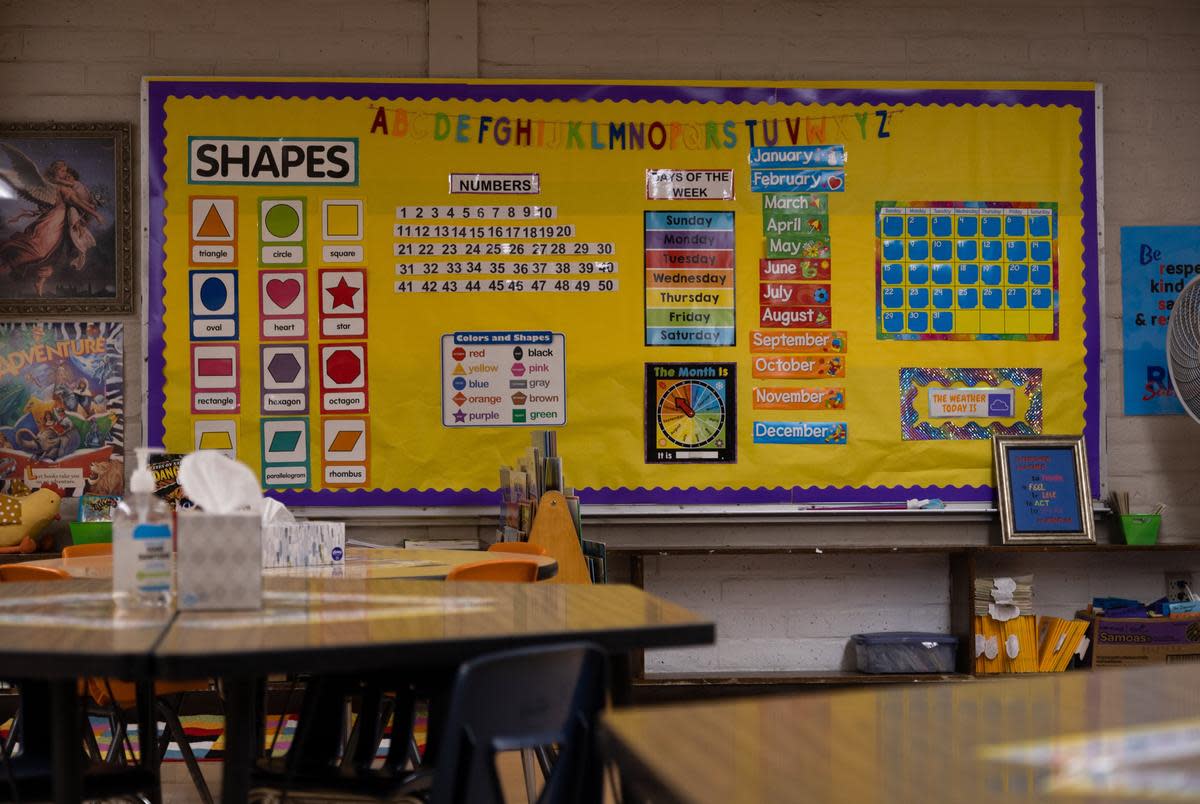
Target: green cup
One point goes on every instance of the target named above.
(1141, 528)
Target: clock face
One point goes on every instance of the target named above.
(691, 413)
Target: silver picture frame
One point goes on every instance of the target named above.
(1080, 529)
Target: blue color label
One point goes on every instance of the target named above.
(799, 156)
(798, 181)
(689, 220)
(799, 432)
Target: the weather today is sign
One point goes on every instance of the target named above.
(961, 403)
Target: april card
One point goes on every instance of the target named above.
(66, 218)
(62, 407)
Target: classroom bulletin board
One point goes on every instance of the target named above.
(371, 290)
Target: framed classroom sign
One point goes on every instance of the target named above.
(1042, 484)
(370, 290)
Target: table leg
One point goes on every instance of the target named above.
(148, 738)
(620, 694)
(620, 679)
(66, 753)
(241, 731)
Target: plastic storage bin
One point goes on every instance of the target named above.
(905, 652)
(1140, 528)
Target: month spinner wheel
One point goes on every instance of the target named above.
(691, 413)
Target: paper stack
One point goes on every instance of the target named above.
(1006, 639)
(1059, 639)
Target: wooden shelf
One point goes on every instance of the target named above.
(794, 677)
(908, 549)
(666, 688)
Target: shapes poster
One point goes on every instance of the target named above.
(366, 289)
(62, 407)
(1156, 263)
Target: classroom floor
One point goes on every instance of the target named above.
(177, 785)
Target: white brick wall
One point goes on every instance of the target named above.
(72, 60)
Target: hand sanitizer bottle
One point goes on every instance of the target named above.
(143, 562)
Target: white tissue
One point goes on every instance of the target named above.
(276, 513)
(1012, 646)
(219, 485)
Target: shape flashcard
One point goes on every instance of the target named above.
(281, 231)
(212, 225)
(285, 453)
(343, 309)
(216, 434)
(344, 378)
(215, 378)
(214, 305)
(283, 304)
(284, 378)
(345, 451)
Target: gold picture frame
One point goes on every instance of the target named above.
(66, 219)
(1043, 488)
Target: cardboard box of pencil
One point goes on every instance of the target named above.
(303, 544)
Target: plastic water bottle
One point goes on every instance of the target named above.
(143, 560)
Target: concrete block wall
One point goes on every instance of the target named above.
(82, 60)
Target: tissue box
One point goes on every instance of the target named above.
(219, 560)
(303, 544)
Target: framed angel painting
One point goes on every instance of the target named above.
(66, 219)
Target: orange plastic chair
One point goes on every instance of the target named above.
(508, 570)
(24, 572)
(519, 547)
(83, 550)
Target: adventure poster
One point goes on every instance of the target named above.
(62, 407)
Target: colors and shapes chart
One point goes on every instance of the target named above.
(503, 379)
(689, 279)
(691, 412)
(968, 270)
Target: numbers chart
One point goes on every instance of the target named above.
(968, 270)
(494, 248)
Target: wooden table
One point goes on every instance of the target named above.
(330, 626)
(360, 562)
(50, 635)
(1111, 735)
(60, 631)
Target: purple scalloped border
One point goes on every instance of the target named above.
(1084, 100)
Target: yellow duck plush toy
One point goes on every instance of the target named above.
(22, 519)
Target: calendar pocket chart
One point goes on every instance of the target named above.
(967, 271)
(371, 290)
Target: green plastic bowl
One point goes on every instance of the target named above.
(91, 532)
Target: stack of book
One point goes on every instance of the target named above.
(1006, 639)
(538, 471)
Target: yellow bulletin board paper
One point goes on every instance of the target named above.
(725, 292)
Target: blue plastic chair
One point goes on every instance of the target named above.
(518, 699)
